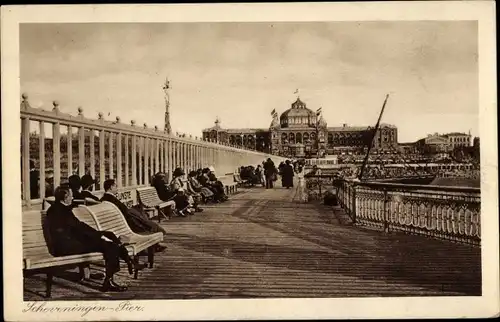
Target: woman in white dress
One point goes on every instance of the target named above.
(301, 185)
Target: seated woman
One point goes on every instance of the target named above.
(216, 184)
(70, 236)
(205, 193)
(177, 183)
(162, 187)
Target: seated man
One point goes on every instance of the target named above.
(87, 187)
(136, 219)
(70, 236)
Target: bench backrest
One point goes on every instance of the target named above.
(34, 234)
(108, 218)
(36, 241)
(227, 179)
(148, 197)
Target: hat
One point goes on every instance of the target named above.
(74, 181)
(178, 172)
(87, 181)
(211, 168)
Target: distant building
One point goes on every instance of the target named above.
(443, 143)
(301, 132)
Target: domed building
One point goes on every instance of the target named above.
(301, 132)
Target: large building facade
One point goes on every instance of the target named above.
(302, 133)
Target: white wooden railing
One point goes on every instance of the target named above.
(110, 149)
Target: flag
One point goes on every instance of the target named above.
(296, 91)
(273, 113)
(109, 113)
(318, 111)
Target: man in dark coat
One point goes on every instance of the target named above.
(70, 236)
(136, 219)
(287, 175)
(270, 172)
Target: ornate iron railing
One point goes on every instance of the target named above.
(451, 213)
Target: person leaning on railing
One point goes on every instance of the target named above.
(70, 236)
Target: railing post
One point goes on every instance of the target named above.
(102, 166)
(25, 136)
(92, 153)
(141, 146)
(386, 211)
(126, 170)
(69, 149)
(56, 152)
(119, 159)
(41, 153)
(81, 151)
(134, 160)
(110, 159)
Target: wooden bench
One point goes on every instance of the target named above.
(150, 201)
(229, 184)
(239, 181)
(109, 218)
(37, 256)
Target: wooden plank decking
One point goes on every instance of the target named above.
(262, 244)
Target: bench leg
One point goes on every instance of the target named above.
(136, 266)
(162, 213)
(151, 256)
(48, 285)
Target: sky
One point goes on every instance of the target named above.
(240, 72)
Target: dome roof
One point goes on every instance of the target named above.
(298, 108)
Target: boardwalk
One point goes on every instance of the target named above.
(262, 244)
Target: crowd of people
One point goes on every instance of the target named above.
(70, 236)
(267, 173)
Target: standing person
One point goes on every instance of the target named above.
(287, 175)
(70, 236)
(301, 185)
(260, 174)
(270, 173)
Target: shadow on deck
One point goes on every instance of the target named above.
(262, 244)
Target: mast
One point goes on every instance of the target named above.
(372, 138)
(166, 87)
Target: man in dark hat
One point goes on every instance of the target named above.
(87, 187)
(136, 219)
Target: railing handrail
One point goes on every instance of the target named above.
(398, 186)
(66, 119)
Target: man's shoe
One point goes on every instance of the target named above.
(160, 247)
(112, 286)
